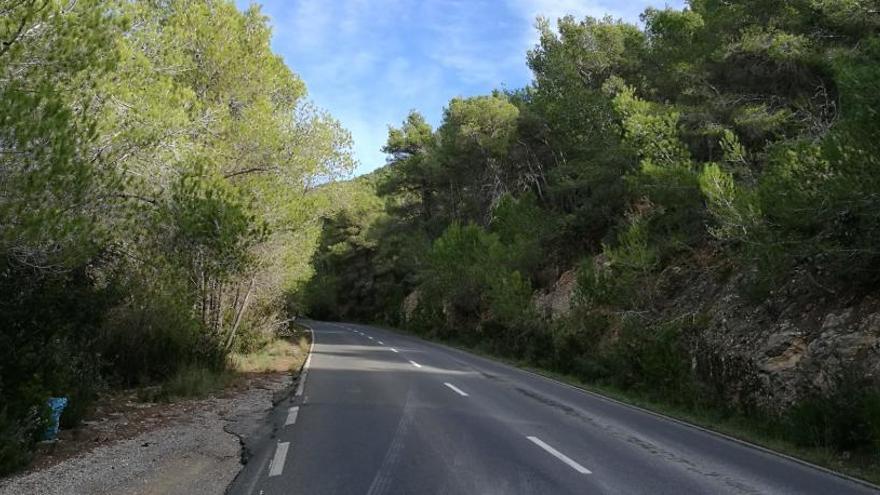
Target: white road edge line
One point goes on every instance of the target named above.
(302, 383)
(559, 455)
(277, 466)
(417, 365)
(305, 369)
(291, 415)
(393, 349)
(456, 389)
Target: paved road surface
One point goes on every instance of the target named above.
(383, 413)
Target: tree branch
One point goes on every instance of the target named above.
(8, 44)
(246, 171)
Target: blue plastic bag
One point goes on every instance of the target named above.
(57, 405)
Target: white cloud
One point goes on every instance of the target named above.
(552, 10)
(468, 39)
(369, 62)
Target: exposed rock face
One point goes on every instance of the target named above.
(796, 343)
(789, 347)
(556, 303)
(410, 304)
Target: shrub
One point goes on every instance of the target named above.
(462, 262)
(618, 277)
(17, 437)
(509, 299)
(846, 420)
(734, 209)
(653, 360)
(576, 344)
(253, 337)
(595, 284)
(522, 226)
(152, 336)
(47, 323)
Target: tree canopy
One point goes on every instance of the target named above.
(158, 204)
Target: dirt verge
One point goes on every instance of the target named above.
(185, 447)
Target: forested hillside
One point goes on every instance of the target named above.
(686, 210)
(157, 173)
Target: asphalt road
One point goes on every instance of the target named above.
(383, 413)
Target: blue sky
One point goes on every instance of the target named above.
(369, 62)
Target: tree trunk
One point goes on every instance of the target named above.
(238, 316)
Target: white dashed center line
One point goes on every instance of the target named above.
(456, 389)
(393, 350)
(291, 415)
(559, 455)
(417, 365)
(277, 465)
(380, 342)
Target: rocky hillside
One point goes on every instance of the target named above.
(799, 342)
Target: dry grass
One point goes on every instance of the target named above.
(280, 356)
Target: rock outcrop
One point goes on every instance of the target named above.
(556, 302)
(798, 342)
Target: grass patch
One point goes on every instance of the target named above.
(279, 356)
(191, 382)
(282, 355)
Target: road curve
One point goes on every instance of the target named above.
(383, 413)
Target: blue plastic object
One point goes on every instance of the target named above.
(57, 405)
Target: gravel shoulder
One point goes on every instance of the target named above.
(188, 447)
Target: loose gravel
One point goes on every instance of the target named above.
(197, 451)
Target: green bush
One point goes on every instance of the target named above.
(576, 345)
(509, 299)
(847, 420)
(653, 360)
(252, 338)
(462, 263)
(522, 226)
(47, 323)
(620, 277)
(17, 437)
(85, 383)
(596, 285)
(152, 336)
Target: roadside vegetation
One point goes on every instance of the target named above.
(730, 143)
(284, 354)
(158, 166)
(168, 200)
